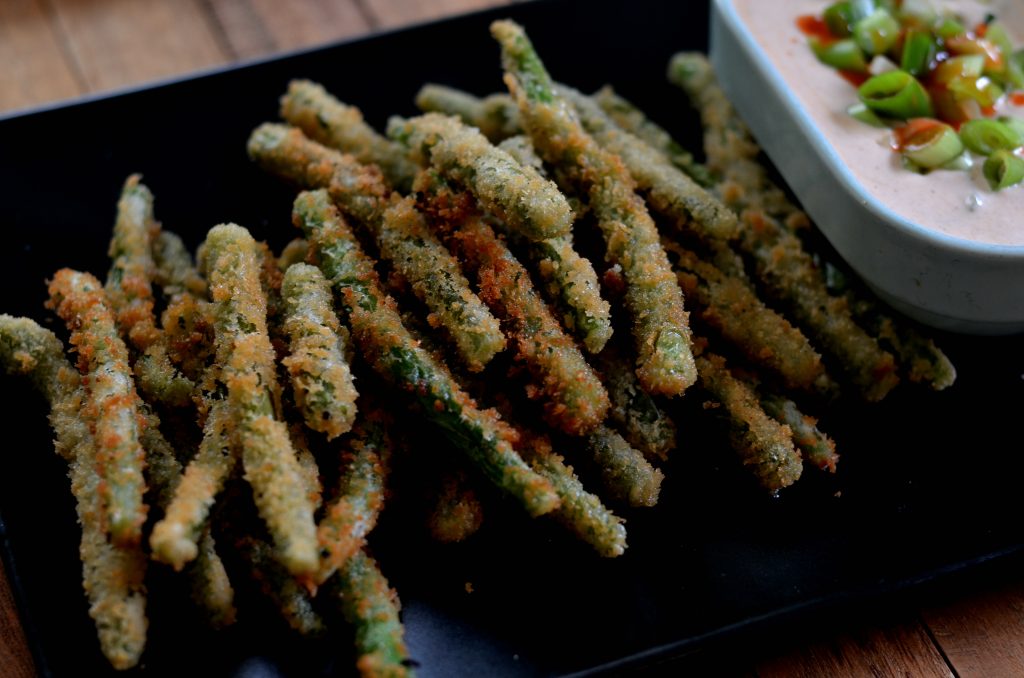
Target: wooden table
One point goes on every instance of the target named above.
(54, 50)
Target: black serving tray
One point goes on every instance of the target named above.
(929, 483)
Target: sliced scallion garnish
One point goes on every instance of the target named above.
(1003, 169)
(896, 94)
(932, 144)
(877, 32)
(986, 136)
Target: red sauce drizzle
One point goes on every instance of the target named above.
(1017, 98)
(815, 27)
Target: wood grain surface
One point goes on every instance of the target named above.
(53, 50)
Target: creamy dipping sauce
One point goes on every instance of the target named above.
(955, 203)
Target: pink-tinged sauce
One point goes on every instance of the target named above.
(956, 203)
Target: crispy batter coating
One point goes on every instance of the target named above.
(763, 444)
(633, 120)
(634, 412)
(112, 576)
(246, 358)
(322, 383)
(496, 116)
(175, 539)
(308, 106)
(515, 193)
(371, 606)
(669, 190)
(112, 407)
(815, 445)
(627, 476)
(351, 516)
(277, 583)
(456, 512)
(574, 399)
(175, 272)
(389, 348)
(402, 236)
(295, 252)
(730, 305)
(660, 324)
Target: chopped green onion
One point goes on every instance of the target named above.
(877, 32)
(983, 90)
(950, 28)
(843, 54)
(1016, 124)
(840, 19)
(896, 94)
(933, 147)
(859, 111)
(986, 136)
(996, 33)
(1003, 169)
(919, 49)
(968, 66)
(920, 11)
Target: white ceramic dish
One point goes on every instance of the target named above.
(928, 250)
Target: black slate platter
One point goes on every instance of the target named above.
(928, 482)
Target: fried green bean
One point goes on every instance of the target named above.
(627, 476)
(293, 253)
(211, 589)
(351, 516)
(581, 512)
(790, 276)
(389, 348)
(371, 607)
(660, 324)
(322, 383)
(113, 577)
(816, 446)
(573, 398)
(403, 237)
(175, 539)
(112, 406)
(669, 190)
(630, 118)
(188, 328)
(175, 272)
(731, 306)
(569, 279)
(764, 445)
(308, 106)
(634, 412)
(515, 193)
(247, 371)
(277, 583)
(496, 115)
(130, 295)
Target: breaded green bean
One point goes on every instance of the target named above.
(790, 275)
(351, 516)
(113, 577)
(669, 190)
(816, 446)
(276, 583)
(573, 398)
(293, 253)
(569, 279)
(791, 279)
(633, 410)
(496, 115)
(389, 348)
(515, 193)
(112, 406)
(400, 231)
(188, 328)
(322, 382)
(211, 589)
(175, 272)
(308, 106)
(248, 372)
(731, 306)
(660, 324)
(764, 445)
(581, 512)
(626, 475)
(307, 463)
(633, 120)
(371, 607)
(130, 294)
(175, 538)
